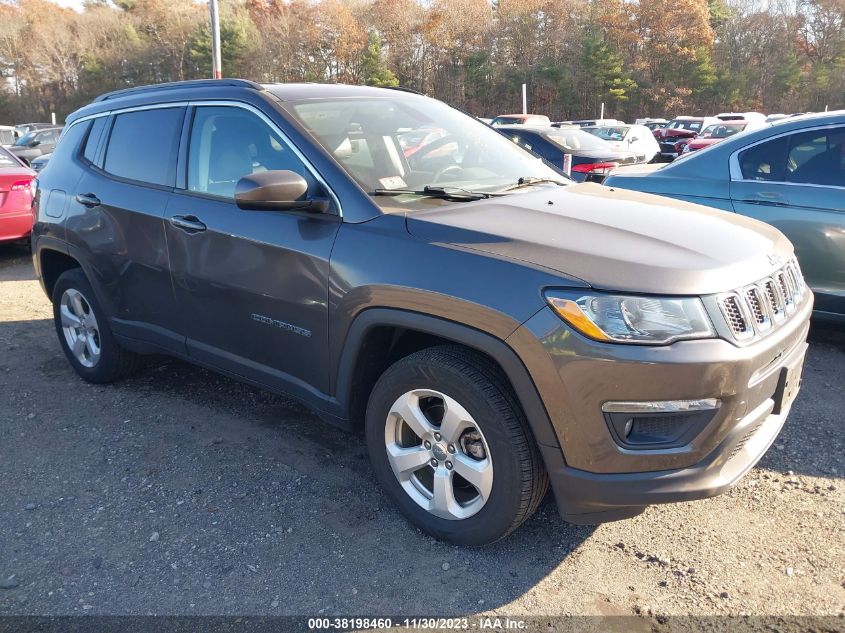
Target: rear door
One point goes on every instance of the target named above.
(796, 182)
(116, 219)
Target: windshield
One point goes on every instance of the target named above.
(722, 130)
(408, 144)
(575, 139)
(685, 124)
(25, 140)
(609, 133)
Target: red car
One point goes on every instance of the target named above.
(714, 133)
(16, 189)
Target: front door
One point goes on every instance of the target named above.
(797, 184)
(252, 286)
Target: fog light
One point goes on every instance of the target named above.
(658, 424)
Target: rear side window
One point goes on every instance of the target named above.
(93, 140)
(817, 158)
(766, 161)
(143, 145)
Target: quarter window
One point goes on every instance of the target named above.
(142, 145)
(93, 139)
(228, 143)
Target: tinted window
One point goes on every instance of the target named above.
(817, 158)
(228, 143)
(142, 145)
(766, 161)
(93, 140)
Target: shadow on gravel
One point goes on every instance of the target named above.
(811, 442)
(15, 263)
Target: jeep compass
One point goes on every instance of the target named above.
(491, 328)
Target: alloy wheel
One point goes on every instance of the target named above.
(438, 454)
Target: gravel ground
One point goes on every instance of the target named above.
(182, 492)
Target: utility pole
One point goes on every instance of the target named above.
(216, 65)
(524, 100)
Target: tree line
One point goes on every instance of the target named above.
(639, 57)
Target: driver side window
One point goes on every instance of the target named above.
(228, 143)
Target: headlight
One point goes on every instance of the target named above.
(630, 318)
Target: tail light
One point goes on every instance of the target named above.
(595, 168)
(22, 185)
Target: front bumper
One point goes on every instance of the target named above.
(593, 477)
(587, 498)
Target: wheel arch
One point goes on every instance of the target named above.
(380, 336)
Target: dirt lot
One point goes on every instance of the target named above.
(181, 492)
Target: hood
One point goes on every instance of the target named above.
(700, 143)
(676, 133)
(612, 239)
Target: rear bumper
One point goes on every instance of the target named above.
(15, 226)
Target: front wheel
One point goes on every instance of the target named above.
(451, 446)
(84, 332)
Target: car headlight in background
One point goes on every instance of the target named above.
(644, 320)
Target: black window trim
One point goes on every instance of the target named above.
(180, 176)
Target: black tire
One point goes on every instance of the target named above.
(519, 479)
(114, 362)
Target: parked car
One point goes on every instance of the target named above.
(629, 138)
(520, 119)
(715, 133)
(578, 154)
(488, 326)
(677, 134)
(16, 190)
(41, 162)
(36, 143)
(651, 123)
(592, 122)
(22, 129)
(790, 174)
(7, 135)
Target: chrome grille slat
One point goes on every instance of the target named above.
(758, 308)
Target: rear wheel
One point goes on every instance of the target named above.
(84, 333)
(450, 444)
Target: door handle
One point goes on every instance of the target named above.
(88, 200)
(189, 223)
(767, 198)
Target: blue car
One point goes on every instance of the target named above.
(790, 174)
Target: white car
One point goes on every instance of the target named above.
(630, 138)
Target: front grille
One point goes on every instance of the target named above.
(758, 308)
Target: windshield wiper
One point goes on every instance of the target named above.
(527, 181)
(436, 191)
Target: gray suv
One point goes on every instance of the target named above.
(490, 327)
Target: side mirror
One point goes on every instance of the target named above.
(34, 143)
(279, 190)
(633, 139)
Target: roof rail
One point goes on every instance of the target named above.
(176, 85)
